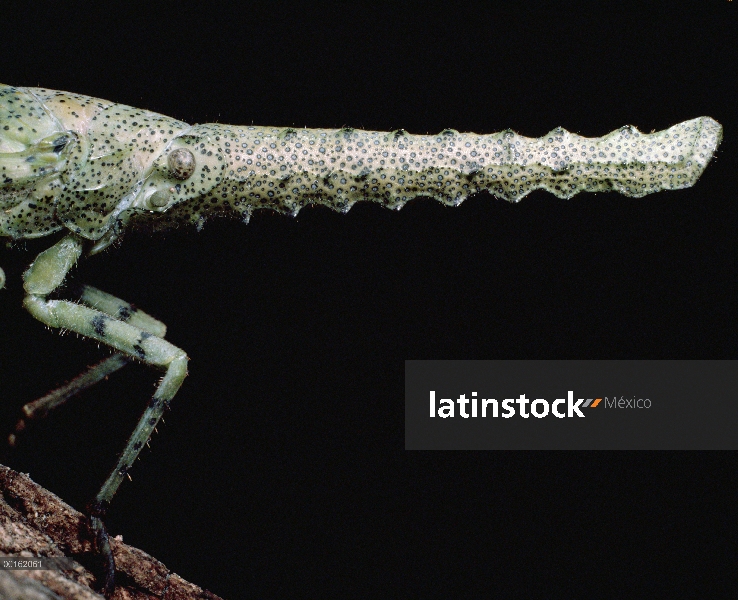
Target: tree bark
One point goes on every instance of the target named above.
(36, 523)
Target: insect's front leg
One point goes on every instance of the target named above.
(110, 305)
(46, 274)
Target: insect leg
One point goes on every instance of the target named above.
(120, 310)
(41, 407)
(110, 305)
(133, 341)
(46, 274)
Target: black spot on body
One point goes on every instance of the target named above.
(125, 311)
(98, 324)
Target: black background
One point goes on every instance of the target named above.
(281, 470)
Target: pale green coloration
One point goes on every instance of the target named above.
(51, 266)
(94, 168)
(109, 320)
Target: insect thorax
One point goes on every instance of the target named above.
(70, 161)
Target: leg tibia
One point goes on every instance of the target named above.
(168, 387)
(38, 409)
(176, 372)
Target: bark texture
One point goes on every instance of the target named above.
(35, 523)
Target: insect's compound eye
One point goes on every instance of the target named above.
(158, 199)
(181, 163)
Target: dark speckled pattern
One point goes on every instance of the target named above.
(95, 167)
